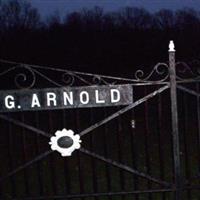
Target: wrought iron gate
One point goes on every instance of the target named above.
(140, 151)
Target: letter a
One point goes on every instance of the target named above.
(35, 101)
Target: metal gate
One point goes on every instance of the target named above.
(140, 151)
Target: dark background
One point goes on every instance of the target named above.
(91, 40)
(113, 43)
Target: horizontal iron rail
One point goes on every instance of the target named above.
(123, 110)
(190, 80)
(126, 168)
(134, 81)
(100, 194)
(55, 83)
(97, 194)
(194, 177)
(192, 92)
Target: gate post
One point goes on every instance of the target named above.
(174, 115)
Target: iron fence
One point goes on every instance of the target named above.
(149, 149)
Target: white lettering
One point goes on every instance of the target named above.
(9, 102)
(97, 97)
(68, 98)
(84, 97)
(115, 95)
(51, 97)
(35, 101)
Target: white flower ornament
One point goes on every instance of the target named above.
(65, 142)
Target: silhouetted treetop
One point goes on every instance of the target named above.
(18, 14)
(93, 39)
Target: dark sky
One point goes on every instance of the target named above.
(62, 6)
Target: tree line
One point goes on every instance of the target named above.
(97, 41)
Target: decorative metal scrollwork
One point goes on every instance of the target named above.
(24, 76)
(98, 80)
(68, 79)
(186, 71)
(159, 73)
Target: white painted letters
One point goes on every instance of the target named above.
(115, 95)
(35, 101)
(84, 97)
(51, 97)
(68, 98)
(98, 100)
(9, 102)
(65, 97)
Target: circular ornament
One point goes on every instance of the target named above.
(65, 142)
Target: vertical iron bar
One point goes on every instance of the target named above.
(25, 158)
(120, 156)
(80, 168)
(52, 159)
(11, 164)
(39, 166)
(185, 133)
(108, 170)
(160, 142)
(147, 153)
(134, 154)
(198, 122)
(93, 161)
(174, 113)
(66, 164)
(1, 174)
(1, 191)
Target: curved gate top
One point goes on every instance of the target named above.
(67, 134)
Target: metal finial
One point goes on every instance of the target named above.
(171, 46)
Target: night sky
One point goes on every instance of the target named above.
(47, 7)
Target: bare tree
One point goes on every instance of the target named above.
(18, 14)
(187, 19)
(136, 18)
(93, 19)
(164, 19)
(54, 21)
(74, 21)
